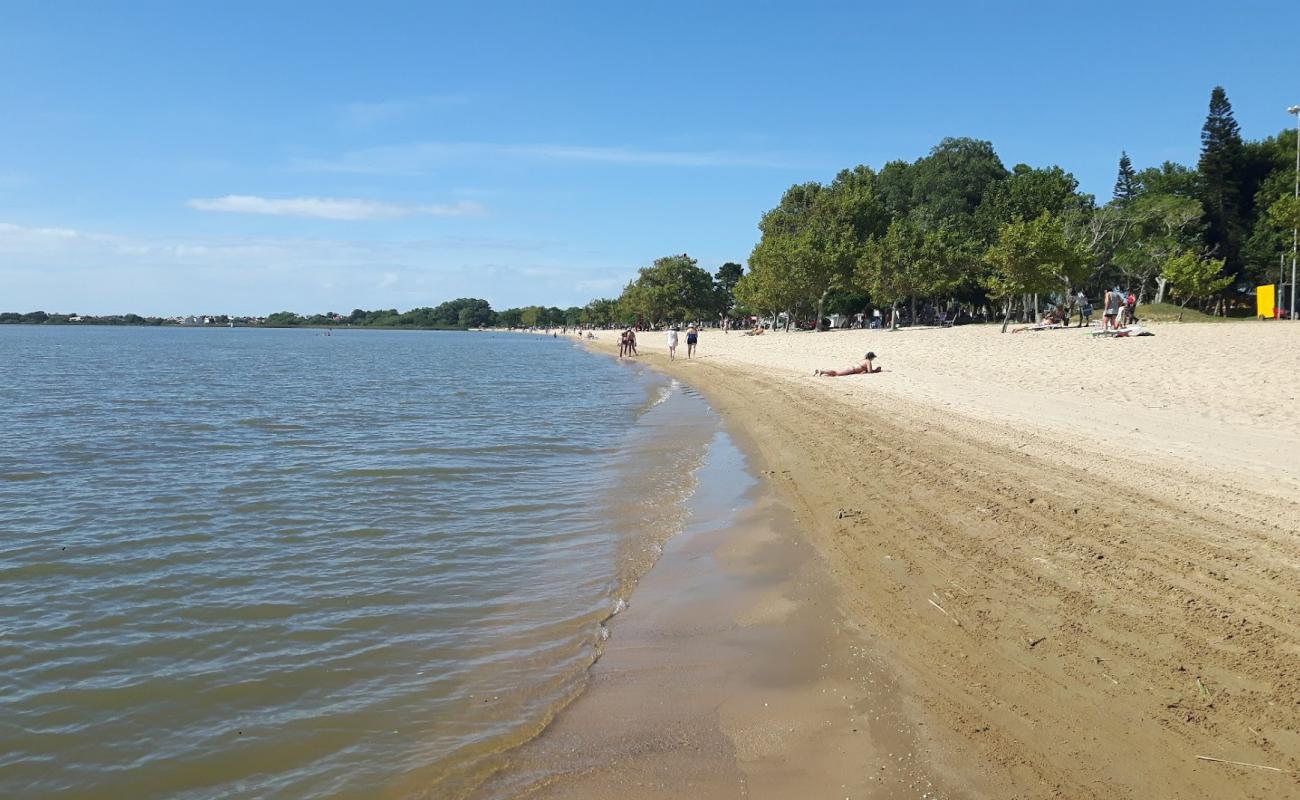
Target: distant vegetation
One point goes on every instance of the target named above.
(956, 231)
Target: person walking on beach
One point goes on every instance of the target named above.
(866, 367)
(1130, 308)
(1085, 309)
(631, 342)
(1110, 311)
(672, 343)
(622, 343)
(692, 338)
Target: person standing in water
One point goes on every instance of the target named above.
(672, 343)
(692, 338)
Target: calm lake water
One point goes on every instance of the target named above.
(274, 563)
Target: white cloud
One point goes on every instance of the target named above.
(419, 157)
(336, 208)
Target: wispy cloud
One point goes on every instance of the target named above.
(366, 114)
(420, 157)
(337, 208)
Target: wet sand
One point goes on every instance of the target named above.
(1079, 559)
(732, 674)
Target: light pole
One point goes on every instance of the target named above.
(1295, 232)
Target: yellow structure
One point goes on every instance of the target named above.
(1266, 301)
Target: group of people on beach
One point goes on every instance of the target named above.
(1119, 309)
(627, 343)
(692, 339)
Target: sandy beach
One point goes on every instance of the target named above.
(1080, 558)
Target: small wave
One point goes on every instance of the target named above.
(23, 476)
(261, 423)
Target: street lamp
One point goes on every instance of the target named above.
(1295, 232)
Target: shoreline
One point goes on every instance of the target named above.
(732, 674)
(1081, 619)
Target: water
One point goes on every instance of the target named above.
(258, 563)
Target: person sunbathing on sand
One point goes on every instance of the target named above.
(865, 367)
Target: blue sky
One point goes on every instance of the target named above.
(251, 157)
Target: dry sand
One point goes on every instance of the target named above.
(1081, 557)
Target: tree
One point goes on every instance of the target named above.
(769, 286)
(511, 317)
(1194, 277)
(816, 235)
(907, 262)
(674, 288)
(1027, 194)
(283, 319)
(1220, 170)
(600, 313)
(724, 286)
(1126, 182)
(951, 181)
(531, 316)
(1170, 178)
(1034, 256)
(1284, 214)
(1162, 226)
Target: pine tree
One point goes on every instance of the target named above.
(1220, 168)
(1126, 184)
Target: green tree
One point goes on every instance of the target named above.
(600, 313)
(1027, 194)
(1033, 256)
(950, 183)
(724, 286)
(1127, 187)
(1162, 226)
(905, 263)
(511, 317)
(1193, 277)
(1220, 171)
(1170, 178)
(283, 319)
(674, 288)
(533, 316)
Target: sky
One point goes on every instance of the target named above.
(244, 158)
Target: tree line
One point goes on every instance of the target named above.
(957, 231)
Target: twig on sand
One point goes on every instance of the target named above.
(1204, 691)
(936, 605)
(1240, 764)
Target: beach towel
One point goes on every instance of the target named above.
(1123, 333)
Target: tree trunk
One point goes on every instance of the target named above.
(1035, 317)
(1160, 290)
(1006, 315)
(821, 303)
(912, 319)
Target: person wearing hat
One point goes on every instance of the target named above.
(672, 343)
(865, 367)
